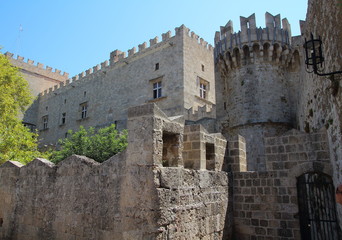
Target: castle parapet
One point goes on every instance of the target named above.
(272, 43)
(49, 72)
(119, 58)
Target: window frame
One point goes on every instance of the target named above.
(157, 89)
(45, 120)
(203, 90)
(84, 107)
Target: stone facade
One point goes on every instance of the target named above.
(321, 98)
(39, 78)
(280, 127)
(265, 202)
(254, 81)
(179, 63)
(129, 196)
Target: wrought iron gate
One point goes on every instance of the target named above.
(317, 210)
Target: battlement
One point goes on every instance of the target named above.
(118, 58)
(205, 111)
(276, 31)
(117, 55)
(29, 65)
(270, 44)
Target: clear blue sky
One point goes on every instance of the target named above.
(75, 35)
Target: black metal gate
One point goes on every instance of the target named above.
(317, 210)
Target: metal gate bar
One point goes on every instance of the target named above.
(317, 211)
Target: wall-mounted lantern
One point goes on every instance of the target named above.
(314, 56)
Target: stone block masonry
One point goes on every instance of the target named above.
(129, 196)
(168, 73)
(265, 203)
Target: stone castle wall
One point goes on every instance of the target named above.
(130, 196)
(321, 97)
(265, 203)
(39, 79)
(110, 89)
(255, 82)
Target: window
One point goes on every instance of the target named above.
(66, 135)
(157, 90)
(63, 118)
(30, 126)
(85, 93)
(45, 122)
(203, 90)
(157, 66)
(202, 68)
(84, 109)
(46, 108)
(64, 101)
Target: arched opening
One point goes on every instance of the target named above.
(236, 54)
(276, 49)
(316, 204)
(256, 50)
(265, 51)
(246, 54)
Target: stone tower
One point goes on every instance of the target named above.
(255, 74)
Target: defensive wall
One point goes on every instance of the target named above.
(265, 203)
(256, 75)
(145, 192)
(319, 105)
(113, 86)
(170, 183)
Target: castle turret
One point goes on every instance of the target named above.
(253, 93)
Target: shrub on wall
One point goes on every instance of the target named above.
(98, 145)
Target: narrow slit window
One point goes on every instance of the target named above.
(157, 66)
(63, 118)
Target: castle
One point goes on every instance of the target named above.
(235, 141)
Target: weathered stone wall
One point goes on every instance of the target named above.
(203, 150)
(265, 203)
(321, 97)
(110, 89)
(255, 83)
(129, 196)
(193, 203)
(39, 79)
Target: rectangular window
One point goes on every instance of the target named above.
(84, 111)
(157, 90)
(63, 118)
(203, 90)
(45, 122)
(157, 66)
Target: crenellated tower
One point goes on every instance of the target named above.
(255, 70)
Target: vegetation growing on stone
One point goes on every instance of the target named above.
(98, 145)
(16, 141)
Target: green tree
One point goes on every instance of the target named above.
(16, 141)
(99, 145)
